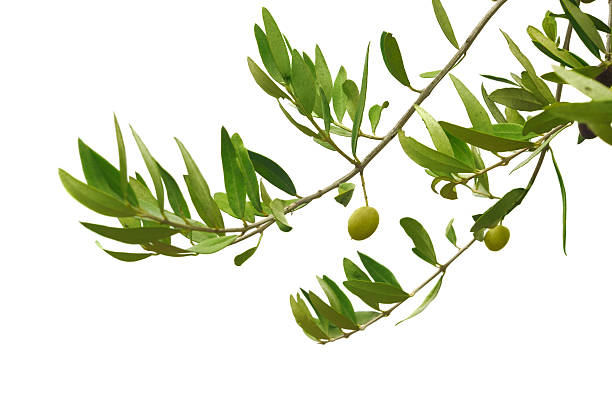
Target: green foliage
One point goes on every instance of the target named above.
(463, 155)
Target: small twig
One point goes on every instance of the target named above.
(566, 44)
(363, 185)
(386, 313)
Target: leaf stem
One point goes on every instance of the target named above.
(363, 185)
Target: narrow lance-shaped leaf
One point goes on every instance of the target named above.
(277, 45)
(517, 99)
(587, 86)
(338, 98)
(428, 299)
(499, 210)
(336, 318)
(102, 175)
(563, 200)
(125, 256)
(585, 28)
(444, 22)
(248, 171)
(138, 235)
(297, 125)
(549, 25)
(272, 172)
(478, 115)
(354, 273)
(323, 74)
(266, 54)
(438, 136)
(351, 97)
(94, 199)
(303, 83)
(175, 196)
(232, 176)
(423, 247)
(543, 90)
(337, 299)
(327, 118)
(122, 159)
(549, 47)
(199, 191)
(376, 292)
(482, 140)
(305, 320)
(377, 271)
(495, 112)
(241, 258)
(264, 81)
(431, 159)
(361, 106)
(450, 233)
(392, 57)
(153, 170)
(212, 245)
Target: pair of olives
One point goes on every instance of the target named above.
(364, 222)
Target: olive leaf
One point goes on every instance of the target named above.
(377, 271)
(438, 136)
(499, 210)
(423, 247)
(125, 256)
(444, 22)
(276, 41)
(232, 175)
(199, 191)
(431, 296)
(345, 193)
(338, 96)
(563, 200)
(361, 105)
(303, 83)
(272, 172)
(94, 199)
(431, 159)
(376, 292)
(138, 235)
(392, 57)
(264, 81)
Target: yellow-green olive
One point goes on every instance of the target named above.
(497, 238)
(362, 223)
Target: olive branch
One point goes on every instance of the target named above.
(305, 86)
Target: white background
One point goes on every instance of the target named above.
(526, 325)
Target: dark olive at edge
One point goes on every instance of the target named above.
(604, 78)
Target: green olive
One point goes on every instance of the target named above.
(497, 238)
(362, 223)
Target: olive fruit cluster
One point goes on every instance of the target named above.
(497, 238)
(362, 223)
